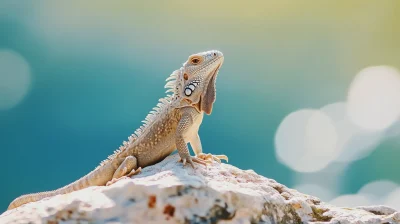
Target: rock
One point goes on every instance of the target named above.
(170, 193)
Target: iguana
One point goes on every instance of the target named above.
(172, 124)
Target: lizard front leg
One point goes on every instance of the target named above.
(195, 142)
(183, 126)
(127, 169)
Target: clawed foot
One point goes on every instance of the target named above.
(114, 180)
(210, 157)
(134, 172)
(192, 159)
(203, 159)
(128, 176)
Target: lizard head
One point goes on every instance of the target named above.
(199, 74)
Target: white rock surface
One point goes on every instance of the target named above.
(169, 193)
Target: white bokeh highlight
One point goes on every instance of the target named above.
(351, 200)
(374, 98)
(354, 143)
(351, 130)
(324, 184)
(15, 79)
(306, 140)
(393, 199)
(380, 192)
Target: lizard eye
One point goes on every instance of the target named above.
(185, 76)
(195, 61)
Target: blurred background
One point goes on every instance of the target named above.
(309, 93)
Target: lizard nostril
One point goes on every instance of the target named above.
(215, 54)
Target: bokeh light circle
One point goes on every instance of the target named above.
(351, 200)
(374, 98)
(378, 190)
(354, 143)
(306, 140)
(393, 199)
(15, 79)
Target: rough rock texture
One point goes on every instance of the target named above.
(169, 193)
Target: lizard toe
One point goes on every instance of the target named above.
(224, 157)
(200, 161)
(134, 172)
(115, 180)
(211, 157)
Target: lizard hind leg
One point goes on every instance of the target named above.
(127, 169)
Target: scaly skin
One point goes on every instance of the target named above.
(171, 125)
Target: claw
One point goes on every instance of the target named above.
(224, 157)
(199, 161)
(114, 180)
(202, 160)
(134, 172)
(210, 157)
(191, 160)
(110, 182)
(191, 163)
(217, 159)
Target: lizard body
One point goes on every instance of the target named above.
(172, 124)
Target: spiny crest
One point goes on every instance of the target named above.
(124, 145)
(174, 85)
(175, 82)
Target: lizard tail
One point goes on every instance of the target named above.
(30, 198)
(77, 185)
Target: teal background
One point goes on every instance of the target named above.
(98, 68)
